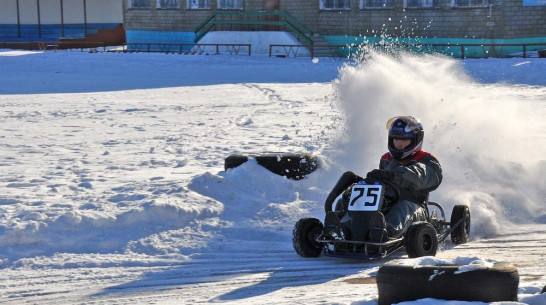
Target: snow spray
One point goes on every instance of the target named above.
(490, 139)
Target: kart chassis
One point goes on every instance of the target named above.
(339, 247)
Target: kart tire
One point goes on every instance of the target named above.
(294, 166)
(304, 234)
(399, 283)
(462, 232)
(543, 290)
(421, 240)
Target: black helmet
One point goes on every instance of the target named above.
(405, 127)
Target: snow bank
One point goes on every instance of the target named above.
(533, 299)
(255, 196)
(88, 230)
(442, 302)
(526, 300)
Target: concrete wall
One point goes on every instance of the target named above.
(104, 11)
(73, 11)
(8, 13)
(504, 19)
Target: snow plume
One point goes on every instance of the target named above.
(488, 138)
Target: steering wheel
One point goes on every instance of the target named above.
(392, 192)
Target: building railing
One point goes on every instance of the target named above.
(254, 20)
(51, 45)
(309, 50)
(455, 50)
(188, 48)
(182, 48)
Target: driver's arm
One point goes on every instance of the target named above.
(423, 175)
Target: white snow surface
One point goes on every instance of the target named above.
(466, 263)
(113, 189)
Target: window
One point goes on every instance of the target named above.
(140, 3)
(198, 4)
(366, 4)
(230, 4)
(168, 4)
(469, 3)
(422, 3)
(335, 4)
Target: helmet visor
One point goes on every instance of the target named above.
(406, 127)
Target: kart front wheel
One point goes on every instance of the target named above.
(304, 234)
(421, 240)
(461, 233)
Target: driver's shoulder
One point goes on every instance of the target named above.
(426, 156)
(420, 157)
(423, 156)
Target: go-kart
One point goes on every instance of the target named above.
(346, 232)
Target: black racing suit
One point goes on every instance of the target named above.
(416, 177)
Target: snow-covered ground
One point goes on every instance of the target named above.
(112, 188)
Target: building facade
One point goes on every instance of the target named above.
(338, 22)
(343, 21)
(35, 20)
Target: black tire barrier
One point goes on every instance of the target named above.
(303, 237)
(291, 165)
(399, 283)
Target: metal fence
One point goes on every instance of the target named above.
(455, 50)
(340, 51)
(181, 48)
(52, 45)
(188, 48)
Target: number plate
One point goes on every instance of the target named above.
(366, 197)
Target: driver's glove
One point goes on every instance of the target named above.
(381, 175)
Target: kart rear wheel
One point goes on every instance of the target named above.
(421, 240)
(461, 233)
(306, 230)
